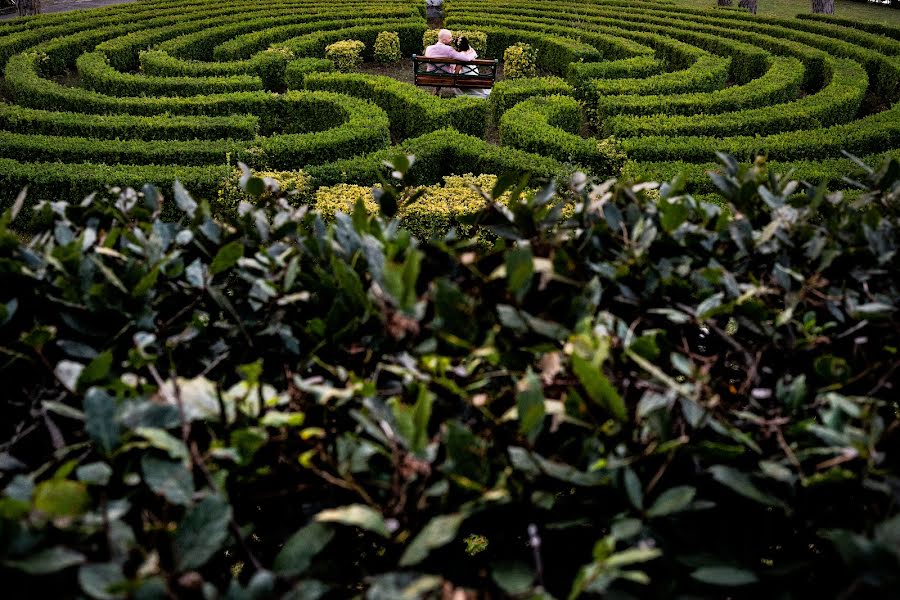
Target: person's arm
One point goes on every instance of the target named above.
(457, 55)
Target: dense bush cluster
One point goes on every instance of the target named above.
(612, 389)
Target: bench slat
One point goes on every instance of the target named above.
(484, 79)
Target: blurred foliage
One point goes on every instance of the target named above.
(625, 392)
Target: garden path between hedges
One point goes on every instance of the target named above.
(52, 6)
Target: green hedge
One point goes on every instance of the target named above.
(49, 148)
(438, 154)
(549, 126)
(864, 136)
(636, 66)
(708, 74)
(508, 93)
(554, 52)
(72, 182)
(97, 75)
(412, 111)
(890, 31)
(244, 46)
(298, 69)
(161, 127)
(313, 44)
(838, 102)
(779, 84)
(363, 128)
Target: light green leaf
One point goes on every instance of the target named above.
(163, 440)
(634, 489)
(183, 199)
(61, 498)
(439, 532)
(357, 515)
(672, 500)
(632, 556)
(598, 387)
(724, 576)
(96, 370)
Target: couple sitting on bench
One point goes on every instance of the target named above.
(465, 78)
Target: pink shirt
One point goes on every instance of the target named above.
(441, 50)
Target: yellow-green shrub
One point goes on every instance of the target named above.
(477, 39)
(342, 198)
(432, 214)
(345, 54)
(519, 60)
(387, 47)
(293, 183)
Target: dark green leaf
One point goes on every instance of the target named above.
(47, 561)
(202, 532)
(519, 270)
(172, 480)
(101, 421)
(672, 500)
(298, 552)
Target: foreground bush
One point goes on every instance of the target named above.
(651, 397)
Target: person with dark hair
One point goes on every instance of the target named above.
(466, 49)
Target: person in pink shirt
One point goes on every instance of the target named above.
(443, 49)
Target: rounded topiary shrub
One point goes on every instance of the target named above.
(387, 47)
(272, 67)
(346, 54)
(519, 61)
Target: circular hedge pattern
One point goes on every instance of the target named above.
(164, 90)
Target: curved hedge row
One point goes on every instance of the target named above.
(799, 89)
(165, 87)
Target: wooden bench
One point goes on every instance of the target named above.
(441, 72)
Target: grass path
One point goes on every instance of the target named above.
(863, 11)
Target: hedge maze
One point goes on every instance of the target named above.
(159, 90)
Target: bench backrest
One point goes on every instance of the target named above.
(441, 72)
